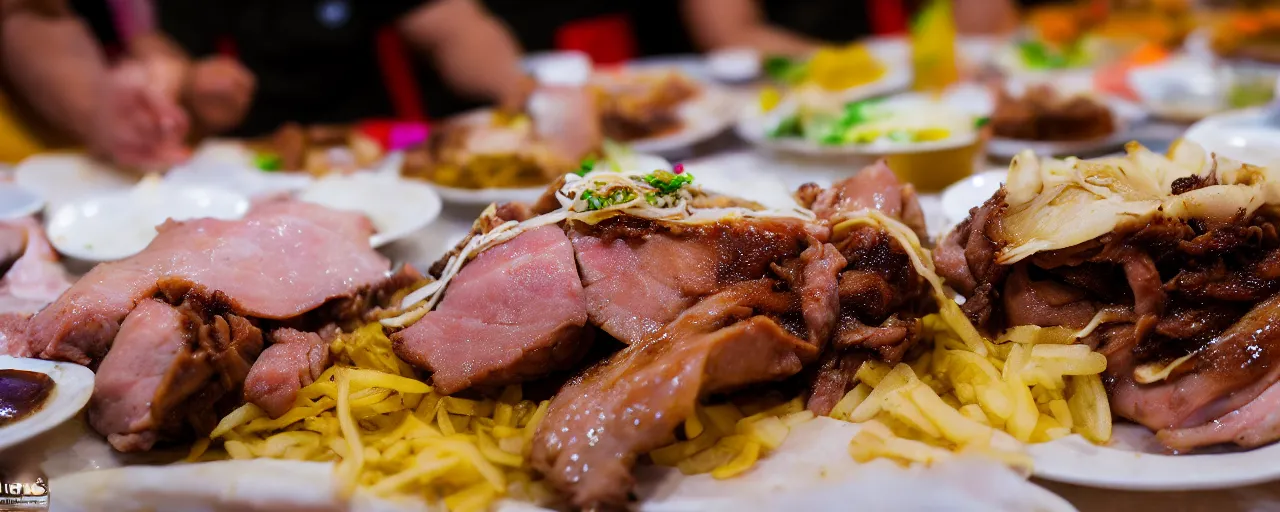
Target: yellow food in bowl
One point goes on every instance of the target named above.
(932, 171)
(840, 68)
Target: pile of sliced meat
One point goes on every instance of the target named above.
(214, 313)
(1164, 289)
(700, 309)
(175, 331)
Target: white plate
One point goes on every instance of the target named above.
(119, 224)
(969, 193)
(1006, 149)
(229, 165)
(17, 202)
(1242, 135)
(487, 196)
(1133, 461)
(73, 385)
(1182, 89)
(702, 118)
(397, 207)
(754, 126)
(58, 178)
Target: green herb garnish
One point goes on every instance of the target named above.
(981, 121)
(588, 164)
(667, 182)
(786, 69)
(597, 202)
(788, 127)
(269, 162)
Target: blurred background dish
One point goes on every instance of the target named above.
(60, 177)
(17, 202)
(1188, 89)
(113, 225)
(397, 207)
(1245, 135)
(1052, 123)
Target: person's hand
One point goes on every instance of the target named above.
(515, 100)
(219, 91)
(136, 124)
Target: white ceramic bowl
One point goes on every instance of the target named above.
(72, 387)
(115, 225)
(396, 206)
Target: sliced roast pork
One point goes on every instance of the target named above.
(32, 278)
(515, 312)
(640, 274)
(1182, 285)
(879, 294)
(630, 404)
(293, 361)
(873, 188)
(279, 262)
(172, 370)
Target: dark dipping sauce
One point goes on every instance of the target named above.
(22, 393)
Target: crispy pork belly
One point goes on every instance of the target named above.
(515, 312)
(173, 369)
(600, 422)
(1178, 269)
(279, 262)
(294, 360)
(639, 274)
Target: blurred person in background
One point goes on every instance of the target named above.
(249, 67)
(797, 27)
(60, 90)
(242, 67)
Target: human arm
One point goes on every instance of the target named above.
(717, 24)
(459, 34)
(217, 90)
(56, 65)
(51, 57)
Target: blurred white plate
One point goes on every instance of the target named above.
(62, 177)
(969, 193)
(1243, 135)
(754, 126)
(397, 207)
(1134, 461)
(1006, 149)
(1179, 89)
(73, 385)
(229, 165)
(16, 201)
(486, 196)
(118, 224)
(702, 118)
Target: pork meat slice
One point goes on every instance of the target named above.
(1233, 369)
(639, 274)
(276, 263)
(880, 295)
(874, 188)
(32, 278)
(1251, 426)
(515, 312)
(294, 360)
(35, 278)
(172, 371)
(600, 422)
